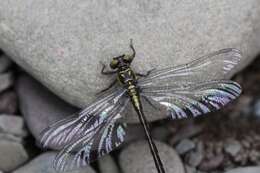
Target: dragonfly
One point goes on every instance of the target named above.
(178, 92)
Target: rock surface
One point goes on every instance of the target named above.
(189, 169)
(8, 102)
(196, 156)
(5, 63)
(12, 155)
(13, 125)
(256, 108)
(6, 81)
(43, 164)
(186, 132)
(245, 170)
(10, 137)
(136, 158)
(160, 133)
(39, 106)
(184, 146)
(61, 44)
(106, 164)
(232, 147)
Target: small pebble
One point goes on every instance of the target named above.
(13, 125)
(5, 63)
(211, 164)
(186, 132)
(12, 155)
(6, 81)
(44, 164)
(194, 158)
(160, 133)
(189, 169)
(184, 146)
(232, 147)
(8, 102)
(254, 156)
(256, 108)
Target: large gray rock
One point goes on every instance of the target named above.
(245, 170)
(43, 164)
(136, 158)
(61, 44)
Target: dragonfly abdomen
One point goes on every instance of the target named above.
(134, 95)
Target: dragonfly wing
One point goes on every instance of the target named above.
(100, 138)
(220, 63)
(72, 128)
(193, 100)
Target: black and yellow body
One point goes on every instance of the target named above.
(128, 79)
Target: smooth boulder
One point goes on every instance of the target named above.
(136, 158)
(43, 164)
(62, 44)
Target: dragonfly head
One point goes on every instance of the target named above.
(121, 61)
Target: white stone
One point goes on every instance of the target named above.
(61, 44)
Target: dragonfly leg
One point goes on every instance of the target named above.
(104, 72)
(145, 75)
(132, 47)
(110, 86)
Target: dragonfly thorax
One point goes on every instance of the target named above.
(126, 76)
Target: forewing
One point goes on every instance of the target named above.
(214, 66)
(193, 100)
(72, 128)
(102, 137)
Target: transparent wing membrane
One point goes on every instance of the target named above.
(195, 100)
(101, 138)
(88, 134)
(220, 63)
(186, 91)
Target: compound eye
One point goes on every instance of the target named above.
(128, 58)
(114, 64)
